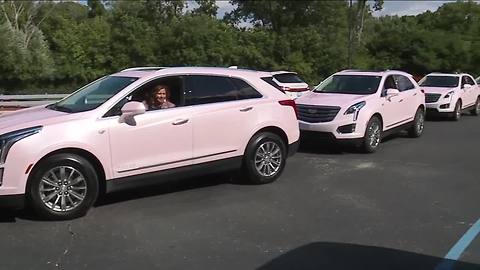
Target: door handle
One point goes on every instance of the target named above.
(246, 109)
(180, 122)
(401, 100)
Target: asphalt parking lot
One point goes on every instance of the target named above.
(404, 207)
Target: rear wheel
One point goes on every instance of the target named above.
(373, 135)
(63, 186)
(418, 124)
(476, 108)
(264, 159)
(457, 112)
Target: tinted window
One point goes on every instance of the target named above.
(467, 80)
(349, 84)
(270, 81)
(93, 95)
(208, 89)
(288, 78)
(439, 81)
(244, 90)
(404, 83)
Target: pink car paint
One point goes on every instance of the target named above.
(138, 142)
(398, 109)
(443, 98)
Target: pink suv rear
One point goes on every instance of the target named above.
(108, 136)
(363, 106)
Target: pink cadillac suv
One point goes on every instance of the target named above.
(450, 94)
(363, 107)
(107, 136)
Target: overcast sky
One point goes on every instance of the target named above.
(399, 8)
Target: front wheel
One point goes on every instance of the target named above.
(457, 113)
(62, 186)
(476, 108)
(373, 135)
(418, 124)
(264, 159)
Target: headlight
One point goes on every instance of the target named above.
(449, 94)
(355, 109)
(8, 139)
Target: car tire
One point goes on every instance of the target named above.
(476, 108)
(264, 159)
(418, 124)
(373, 135)
(62, 186)
(457, 112)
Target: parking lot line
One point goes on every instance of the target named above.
(457, 250)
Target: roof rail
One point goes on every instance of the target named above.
(143, 69)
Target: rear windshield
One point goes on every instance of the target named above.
(349, 84)
(440, 81)
(288, 78)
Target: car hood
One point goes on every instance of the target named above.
(328, 99)
(438, 90)
(25, 118)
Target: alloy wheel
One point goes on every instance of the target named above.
(268, 159)
(63, 188)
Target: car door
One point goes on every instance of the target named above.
(222, 119)
(471, 92)
(156, 140)
(408, 97)
(391, 106)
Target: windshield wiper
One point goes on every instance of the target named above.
(59, 108)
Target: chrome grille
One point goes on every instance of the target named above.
(431, 98)
(317, 114)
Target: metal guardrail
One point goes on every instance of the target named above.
(14, 102)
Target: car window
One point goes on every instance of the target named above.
(404, 83)
(469, 80)
(145, 94)
(202, 89)
(288, 78)
(349, 84)
(244, 90)
(270, 81)
(439, 81)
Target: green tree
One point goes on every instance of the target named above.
(206, 7)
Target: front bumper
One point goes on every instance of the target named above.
(440, 107)
(12, 201)
(334, 129)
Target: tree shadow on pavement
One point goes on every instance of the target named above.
(338, 256)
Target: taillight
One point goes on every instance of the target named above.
(291, 103)
(284, 88)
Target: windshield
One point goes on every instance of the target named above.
(349, 84)
(440, 81)
(92, 95)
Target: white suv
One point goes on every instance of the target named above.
(363, 106)
(450, 94)
(290, 83)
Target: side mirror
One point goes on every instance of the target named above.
(392, 92)
(466, 86)
(129, 110)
